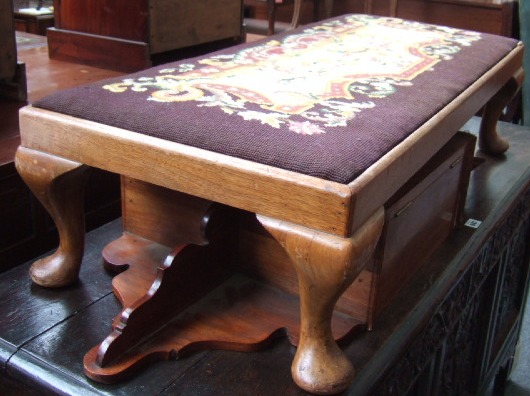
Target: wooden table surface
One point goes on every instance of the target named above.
(44, 333)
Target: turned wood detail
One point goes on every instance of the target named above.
(326, 265)
(59, 185)
(490, 141)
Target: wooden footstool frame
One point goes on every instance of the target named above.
(182, 210)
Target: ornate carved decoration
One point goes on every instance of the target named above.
(456, 332)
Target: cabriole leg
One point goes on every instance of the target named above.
(489, 140)
(59, 185)
(326, 265)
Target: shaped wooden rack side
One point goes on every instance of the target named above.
(192, 297)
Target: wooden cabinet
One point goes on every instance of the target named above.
(35, 24)
(12, 73)
(8, 52)
(129, 36)
(488, 16)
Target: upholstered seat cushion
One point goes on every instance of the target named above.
(326, 100)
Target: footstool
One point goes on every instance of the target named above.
(299, 140)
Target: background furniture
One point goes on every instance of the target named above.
(25, 228)
(8, 50)
(448, 332)
(272, 5)
(29, 19)
(12, 73)
(128, 36)
(525, 36)
(280, 15)
(33, 23)
(490, 16)
(32, 3)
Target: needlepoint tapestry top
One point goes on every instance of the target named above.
(326, 100)
(324, 74)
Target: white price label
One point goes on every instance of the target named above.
(473, 223)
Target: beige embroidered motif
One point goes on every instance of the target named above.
(323, 75)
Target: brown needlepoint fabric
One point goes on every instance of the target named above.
(326, 100)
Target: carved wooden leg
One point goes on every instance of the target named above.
(326, 265)
(489, 140)
(58, 184)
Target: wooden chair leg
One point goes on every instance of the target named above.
(367, 6)
(326, 265)
(316, 10)
(328, 8)
(393, 8)
(489, 140)
(271, 15)
(295, 21)
(296, 13)
(59, 185)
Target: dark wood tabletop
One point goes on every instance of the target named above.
(44, 333)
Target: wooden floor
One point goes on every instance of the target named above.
(45, 333)
(44, 76)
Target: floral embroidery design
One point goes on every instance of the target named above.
(311, 81)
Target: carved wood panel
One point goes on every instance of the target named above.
(470, 335)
